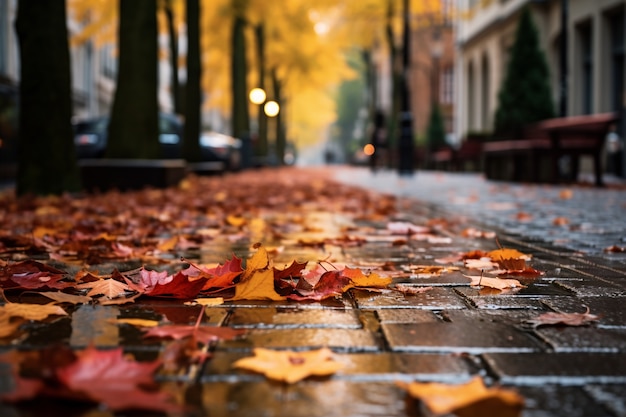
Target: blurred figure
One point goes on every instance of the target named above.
(614, 151)
(378, 140)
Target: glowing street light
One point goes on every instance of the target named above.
(257, 95)
(271, 108)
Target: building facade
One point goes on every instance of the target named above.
(591, 80)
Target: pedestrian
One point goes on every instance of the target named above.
(614, 151)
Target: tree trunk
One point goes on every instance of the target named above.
(193, 100)
(169, 13)
(281, 133)
(396, 80)
(47, 158)
(133, 129)
(240, 116)
(261, 142)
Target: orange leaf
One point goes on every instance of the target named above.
(289, 366)
(443, 398)
(107, 287)
(358, 279)
(260, 286)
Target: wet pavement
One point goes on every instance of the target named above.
(448, 334)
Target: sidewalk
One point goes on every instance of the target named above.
(449, 333)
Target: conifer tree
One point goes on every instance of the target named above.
(525, 95)
(435, 132)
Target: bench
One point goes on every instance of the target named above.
(469, 154)
(536, 157)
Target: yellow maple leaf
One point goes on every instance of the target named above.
(260, 260)
(31, 311)
(260, 286)
(509, 258)
(444, 399)
(358, 279)
(290, 366)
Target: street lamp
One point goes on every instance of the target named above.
(271, 109)
(257, 96)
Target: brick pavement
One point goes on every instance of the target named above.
(447, 334)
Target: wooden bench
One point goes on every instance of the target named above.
(469, 154)
(536, 157)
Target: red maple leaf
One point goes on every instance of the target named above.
(101, 376)
(203, 334)
(160, 284)
(330, 284)
(221, 276)
(109, 378)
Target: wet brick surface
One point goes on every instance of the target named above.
(447, 334)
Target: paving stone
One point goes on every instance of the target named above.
(176, 313)
(593, 287)
(339, 303)
(374, 367)
(487, 298)
(405, 315)
(612, 310)
(583, 339)
(538, 368)
(305, 399)
(560, 401)
(294, 318)
(336, 339)
(613, 397)
(454, 278)
(463, 336)
(403, 366)
(435, 299)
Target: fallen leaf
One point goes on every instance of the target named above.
(108, 377)
(137, 322)
(472, 398)
(289, 366)
(498, 283)
(411, 289)
(62, 297)
(206, 301)
(509, 259)
(360, 280)
(567, 319)
(108, 287)
(258, 286)
(203, 334)
(31, 311)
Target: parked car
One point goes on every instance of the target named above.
(90, 136)
(217, 147)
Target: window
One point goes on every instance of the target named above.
(586, 56)
(446, 94)
(616, 24)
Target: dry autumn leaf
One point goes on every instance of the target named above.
(498, 283)
(360, 280)
(108, 287)
(31, 311)
(289, 366)
(472, 399)
(509, 259)
(567, 319)
(259, 286)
